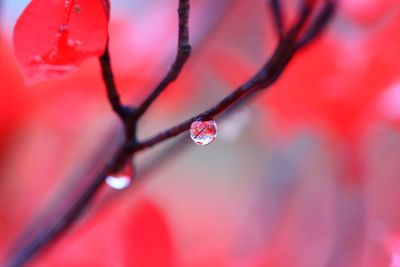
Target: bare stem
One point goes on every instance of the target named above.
(182, 55)
(108, 78)
(319, 23)
(276, 9)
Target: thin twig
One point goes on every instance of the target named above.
(276, 9)
(182, 55)
(108, 78)
(320, 22)
(125, 113)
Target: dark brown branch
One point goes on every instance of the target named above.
(183, 53)
(108, 78)
(319, 23)
(125, 113)
(276, 9)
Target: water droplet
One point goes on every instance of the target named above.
(63, 28)
(73, 43)
(203, 132)
(120, 180)
(36, 59)
(77, 9)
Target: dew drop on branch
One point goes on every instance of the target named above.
(203, 132)
(121, 179)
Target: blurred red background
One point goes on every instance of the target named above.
(308, 174)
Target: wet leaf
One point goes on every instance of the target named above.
(51, 38)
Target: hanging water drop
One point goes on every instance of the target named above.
(203, 132)
(73, 43)
(36, 59)
(121, 179)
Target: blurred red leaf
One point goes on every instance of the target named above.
(52, 37)
(148, 238)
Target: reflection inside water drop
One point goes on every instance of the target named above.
(63, 28)
(73, 43)
(121, 179)
(203, 132)
(118, 182)
(36, 59)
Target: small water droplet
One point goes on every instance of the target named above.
(77, 9)
(73, 43)
(36, 59)
(63, 28)
(203, 132)
(120, 180)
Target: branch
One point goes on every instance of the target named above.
(319, 23)
(108, 78)
(277, 15)
(125, 113)
(183, 53)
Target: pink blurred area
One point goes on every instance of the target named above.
(308, 174)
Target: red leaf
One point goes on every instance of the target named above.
(148, 238)
(51, 38)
